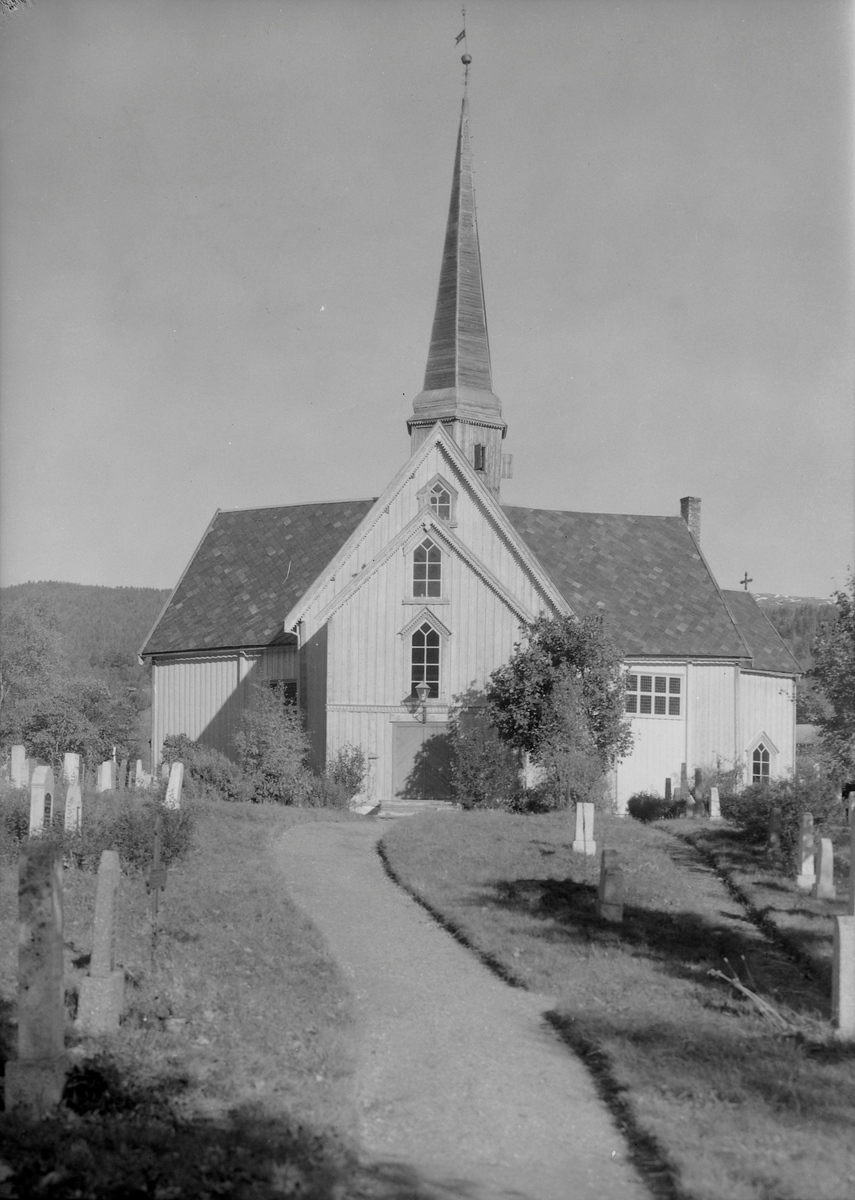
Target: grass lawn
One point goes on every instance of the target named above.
(717, 1100)
(231, 1073)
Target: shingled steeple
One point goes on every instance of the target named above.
(458, 387)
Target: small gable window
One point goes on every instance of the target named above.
(480, 457)
(760, 762)
(424, 659)
(654, 695)
(427, 569)
(439, 499)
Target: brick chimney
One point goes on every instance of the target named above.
(690, 511)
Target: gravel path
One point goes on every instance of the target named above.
(459, 1079)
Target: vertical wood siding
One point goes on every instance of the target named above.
(203, 696)
(767, 705)
(713, 700)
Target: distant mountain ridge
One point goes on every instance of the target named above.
(767, 598)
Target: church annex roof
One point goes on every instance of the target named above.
(645, 575)
(249, 570)
(769, 652)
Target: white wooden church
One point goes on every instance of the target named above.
(354, 605)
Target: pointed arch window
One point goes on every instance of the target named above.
(427, 570)
(760, 763)
(439, 499)
(425, 647)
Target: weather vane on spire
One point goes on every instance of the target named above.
(466, 58)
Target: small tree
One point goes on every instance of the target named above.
(560, 698)
(274, 747)
(834, 668)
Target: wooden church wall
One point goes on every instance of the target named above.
(768, 706)
(203, 696)
(713, 702)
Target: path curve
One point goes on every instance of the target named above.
(458, 1077)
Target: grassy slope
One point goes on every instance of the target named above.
(737, 1109)
(231, 1072)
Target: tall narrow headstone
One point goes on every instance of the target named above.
(824, 888)
(71, 768)
(35, 1080)
(106, 777)
(41, 800)
(668, 790)
(806, 872)
(851, 898)
(73, 808)
(843, 978)
(610, 891)
(123, 774)
(684, 791)
(19, 767)
(175, 785)
(102, 991)
(773, 836)
(715, 805)
(583, 842)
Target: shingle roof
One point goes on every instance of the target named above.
(644, 574)
(768, 650)
(250, 569)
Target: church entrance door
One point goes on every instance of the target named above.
(422, 761)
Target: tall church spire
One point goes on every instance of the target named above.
(458, 387)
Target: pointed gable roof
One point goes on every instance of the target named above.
(458, 377)
(250, 568)
(644, 574)
(769, 652)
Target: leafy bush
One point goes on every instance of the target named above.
(484, 770)
(110, 821)
(751, 808)
(208, 772)
(345, 773)
(648, 806)
(273, 748)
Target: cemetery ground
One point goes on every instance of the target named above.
(722, 1092)
(232, 1073)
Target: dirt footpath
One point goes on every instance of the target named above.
(459, 1078)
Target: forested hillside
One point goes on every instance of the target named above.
(100, 628)
(798, 621)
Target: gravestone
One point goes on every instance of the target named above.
(583, 842)
(685, 795)
(71, 768)
(773, 836)
(73, 808)
(668, 790)
(19, 767)
(824, 888)
(102, 992)
(843, 978)
(715, 805)
(806, 872)
(106, 777)
(610, 891)
(175, 785)
(41, 800)
(34, 1081)
(123, 774)
(851, 899)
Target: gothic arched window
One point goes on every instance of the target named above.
(427, 569)
(760, 760)
(424, 659)
(439, 499)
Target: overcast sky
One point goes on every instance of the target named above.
(221, 224)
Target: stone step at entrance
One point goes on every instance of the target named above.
(409, 808)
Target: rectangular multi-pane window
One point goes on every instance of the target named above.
(427, 569)
(653, 695)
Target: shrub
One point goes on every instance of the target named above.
(648, 806)
(273, 748)
(208, 772)
(484, 770)
(345, 773)
(110, 821)
(751, 808)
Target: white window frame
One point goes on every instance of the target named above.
(660, 689)
(429, 543)
(422, 618)
(425, 496)
(761, 741)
